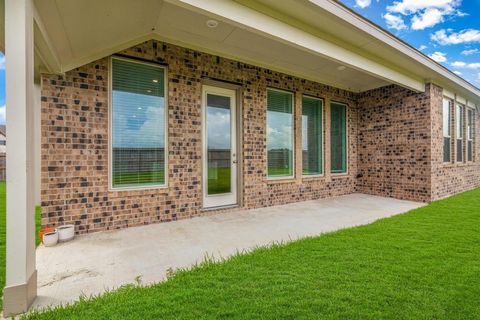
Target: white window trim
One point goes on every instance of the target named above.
(292, 176)
(473, 125)
(462, 131)
(450, 103)
(347, 127)
(462, 109)
(472, 138)
(450, 119)
(322, 165)
(110, 127)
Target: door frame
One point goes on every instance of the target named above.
(231, 199)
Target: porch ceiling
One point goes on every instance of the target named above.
(306, 38)
(77, 32)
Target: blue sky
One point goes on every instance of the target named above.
(448, 31)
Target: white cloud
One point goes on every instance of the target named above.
(426, 13)
(2, 114)
(446, 37)
(439, 56)
(422, 47)
(219, 125)
(458, 73)
(407, 7)
(470, 52)
(474, 65)
(2, 62)
(279, 129)
(461, 64)
(428, 19)
(394, 22)
(363, 3)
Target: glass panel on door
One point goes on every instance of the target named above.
(218, 121)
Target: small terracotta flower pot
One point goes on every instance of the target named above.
(45, 230)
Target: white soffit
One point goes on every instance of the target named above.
(83, 31)
(273, 28)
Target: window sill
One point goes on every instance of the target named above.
(313, 177)
(127, 192)
(458, 164)
(340, 175)
(281, 180)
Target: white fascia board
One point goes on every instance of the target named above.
(259, 23)
(359, 22)
(44, 47)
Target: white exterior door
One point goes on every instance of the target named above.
(219, 147)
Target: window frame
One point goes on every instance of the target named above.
(346, 172)
(292, 176)
(111, 188)
(450, 119)
(460, 107)
(470, 132)
(322, 142)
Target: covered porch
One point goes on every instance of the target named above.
(55, 37)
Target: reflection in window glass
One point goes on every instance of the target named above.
(138, 124)
(470, 134)
(279, 133)
(447, 111)
(338, 138)
(459, 125)
(219, 144)
(312, 110)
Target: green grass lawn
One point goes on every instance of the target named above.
(2, 234)
(421, 265)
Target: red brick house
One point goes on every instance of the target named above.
(151, 111)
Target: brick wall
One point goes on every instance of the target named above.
(453, 177)
(394, 143)
(75, 142)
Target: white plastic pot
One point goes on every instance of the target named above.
(66, 232)
(50, 239)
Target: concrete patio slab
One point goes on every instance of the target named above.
(94, 263)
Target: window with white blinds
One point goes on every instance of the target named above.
(447, 115)
(312, 118)
(138, 134)
(279, 133)
(459, 120)
(338, 137)
(470, 134)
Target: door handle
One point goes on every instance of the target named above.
(234, 161)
